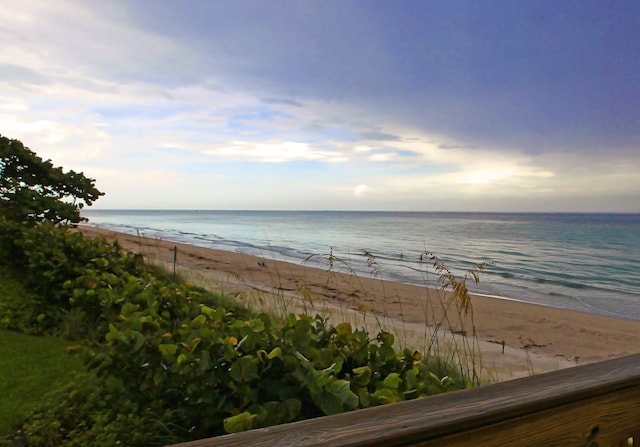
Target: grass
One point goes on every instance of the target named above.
(16, 302)
(34, 370)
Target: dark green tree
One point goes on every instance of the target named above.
(33, 190)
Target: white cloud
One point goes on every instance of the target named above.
(360, 190)
(387, 156)
(275, 152)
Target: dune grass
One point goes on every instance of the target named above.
(447, 351)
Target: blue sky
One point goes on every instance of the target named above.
(356, 105)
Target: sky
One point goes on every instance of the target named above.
(405, 105)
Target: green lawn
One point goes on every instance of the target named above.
(33, 370)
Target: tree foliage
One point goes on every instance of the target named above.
(33, 190)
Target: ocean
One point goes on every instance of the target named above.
(587, 262)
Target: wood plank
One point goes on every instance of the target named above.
(607, 420)
(476, 410)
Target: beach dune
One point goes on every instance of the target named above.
(512, 338)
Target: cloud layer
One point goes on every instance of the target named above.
(507, 106)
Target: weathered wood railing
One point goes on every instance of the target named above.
(593, 405)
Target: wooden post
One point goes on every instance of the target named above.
(175, 260)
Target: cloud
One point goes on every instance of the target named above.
(460, 109)
(275, 152)
(383, 157)
(378, 136)
(360, 190)
(285, 101)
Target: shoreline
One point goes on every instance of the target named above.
(514, 338)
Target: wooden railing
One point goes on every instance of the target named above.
(593, 405)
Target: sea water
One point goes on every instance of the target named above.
(588, 262)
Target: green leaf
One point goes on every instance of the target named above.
(138, 341)
(410, 379)
(245, 369)
(276, 352)
(344, 329)
(113, 334)
(362, 376)
(386, 338)
(257, 325)
(238, 423)
(392, 381)
(337, 397)
(168, 349)
(386, 353)
(385, 396)
(207, 311)
(200, 320)
(250, 342)
(158, 377)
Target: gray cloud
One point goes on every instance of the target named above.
(22, 75)
(455, 146)
(378, 136)
(285, 101)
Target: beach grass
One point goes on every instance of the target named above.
(448, 345)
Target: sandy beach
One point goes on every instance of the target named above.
(512, 338)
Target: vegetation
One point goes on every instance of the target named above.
(35, 372)
(172, 362)
(190, 367)
(33, 190)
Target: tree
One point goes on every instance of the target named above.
(33, 190)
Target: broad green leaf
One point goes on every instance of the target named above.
(206, 310)
(113, 334)
(410, 379)
(386, 338)
(337, 397)
(385, 396)
(362, 376)
(168, 349)
(138, 341)
(238, 423)
(244, 369)
(392, 381)
(250, 342)
(257, 325)
(387, 353)
(158, 377)
(200, 319)
(344, 329)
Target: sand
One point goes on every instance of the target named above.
(512, 338)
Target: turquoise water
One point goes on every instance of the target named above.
(588, 262)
